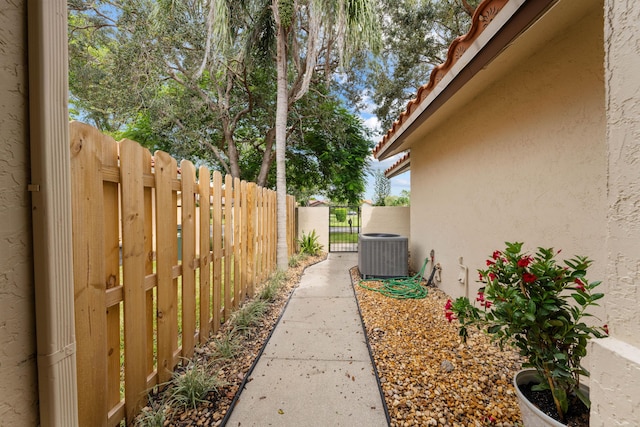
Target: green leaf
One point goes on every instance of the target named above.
(561, 395)
(583, 397)
(493, 329)
(579, 299)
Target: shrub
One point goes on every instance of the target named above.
(309, 243)
(192, 386)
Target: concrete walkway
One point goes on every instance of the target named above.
(315, 369)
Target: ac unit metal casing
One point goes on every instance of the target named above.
(383, 255)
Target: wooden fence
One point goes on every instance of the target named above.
(131, 287)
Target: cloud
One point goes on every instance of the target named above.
(374, 124)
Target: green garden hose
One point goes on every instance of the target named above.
(400, 287)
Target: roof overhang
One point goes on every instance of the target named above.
(399, 167)
(464, 72)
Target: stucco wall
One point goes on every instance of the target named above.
(386, 219)
(615, 375)
(525, 160)
(18, 392)
(374, 219)
(315, 218)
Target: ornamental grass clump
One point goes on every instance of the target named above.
(537, 306)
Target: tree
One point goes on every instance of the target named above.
(417, 35)
(309, 34)
(382, 188)
(402, 200)
(138, 70)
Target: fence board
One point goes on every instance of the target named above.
(217, 249)
(112, 270)
(228, 250)
(133, 265)
(251, 237)
(205, 263)
(148, 264)
(243, 241)
(188, 180)
(88, 273)
(237, 244)
(166, 256)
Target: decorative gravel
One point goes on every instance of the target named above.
(429, 378)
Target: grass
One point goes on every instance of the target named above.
(355, 221)
(343, 238)
(248, 316)
(152, 416)
(227, 346)
(193, 385)
(270, 290)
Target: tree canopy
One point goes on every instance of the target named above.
(416, 36)
(144, 70)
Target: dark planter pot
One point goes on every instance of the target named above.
(531, 415)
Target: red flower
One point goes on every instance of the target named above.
(528, 277)
(490, 262)
(580, 285)
(488, 304)
(606, 329)
(524, 262)
(480, 277)
(492, 276)
(480, 297)
(449, 315)
(448, 305)
(496, 254)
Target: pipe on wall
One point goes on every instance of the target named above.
(51, 212)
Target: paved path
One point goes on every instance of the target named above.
(316, 369)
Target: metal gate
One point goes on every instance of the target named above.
(344, 227)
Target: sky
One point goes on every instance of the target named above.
(398, 183)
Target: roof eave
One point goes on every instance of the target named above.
(514, 18)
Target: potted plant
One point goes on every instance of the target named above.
(538, 306)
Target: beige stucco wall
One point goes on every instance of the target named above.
(386, 219)
(314, 218)
(18, 384)
(524, 160)
(615, 375)
(374, 219)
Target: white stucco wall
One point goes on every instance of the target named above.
(615, 374)
(524, 160)
(18, 384)
(315, 218)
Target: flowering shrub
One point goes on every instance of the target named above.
(537, 306)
